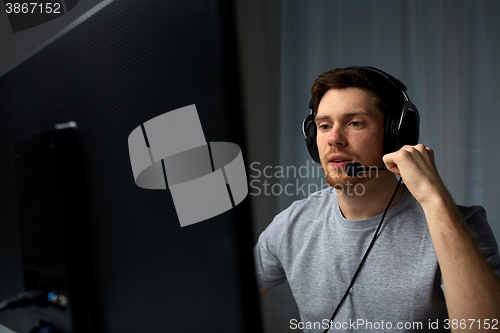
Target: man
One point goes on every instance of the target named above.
(433, 265)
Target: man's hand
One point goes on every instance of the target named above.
(415, 164)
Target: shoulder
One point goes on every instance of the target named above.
(317, 203)
(470, 211)
(475, 216)
(300, 214)
(476, 219)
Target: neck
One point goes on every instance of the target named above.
(374, 199)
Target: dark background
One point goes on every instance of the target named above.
(145, 272)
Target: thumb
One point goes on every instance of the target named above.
(390, 163)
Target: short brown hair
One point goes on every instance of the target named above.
(390, 99)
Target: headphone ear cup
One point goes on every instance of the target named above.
(410, 126)
(407, 133)
(309, 129)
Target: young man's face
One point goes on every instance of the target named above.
(350, 129)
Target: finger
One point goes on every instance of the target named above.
(388, 159)
(430, 151)
(418, 152)
(390, 163)
(421, 148)
(395, 170)
(408, 148)
(426, 153)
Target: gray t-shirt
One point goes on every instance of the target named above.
(399, 286)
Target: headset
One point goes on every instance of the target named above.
(401, 126)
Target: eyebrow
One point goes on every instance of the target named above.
(347, 115)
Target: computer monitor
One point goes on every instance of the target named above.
(73, 218)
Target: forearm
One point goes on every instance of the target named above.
(472, 289)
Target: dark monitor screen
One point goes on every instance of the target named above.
(73, 217)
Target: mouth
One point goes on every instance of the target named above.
(339, 164)
(338, 161)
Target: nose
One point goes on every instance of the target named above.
(336, 137)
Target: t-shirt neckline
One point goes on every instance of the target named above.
(374, 220)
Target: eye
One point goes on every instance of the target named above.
(355, 124)
(324, 127)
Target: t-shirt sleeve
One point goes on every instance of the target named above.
(476, 219)
(268, 268)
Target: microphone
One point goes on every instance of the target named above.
(354, 169)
